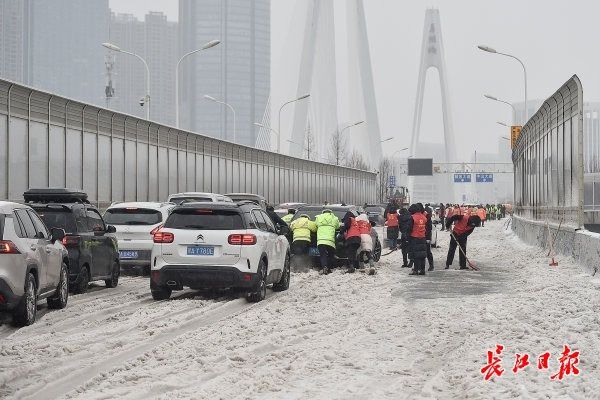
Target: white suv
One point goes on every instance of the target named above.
(135, 224)
(217, 246)
(33, 263)
(195, 197)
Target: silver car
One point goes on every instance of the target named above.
(33, 263)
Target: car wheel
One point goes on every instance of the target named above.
(62, 291)
(160, 292)
(261, 287)
(377, 251)
(83, 282)
(26, 311)
(284, 282)
(114, 278)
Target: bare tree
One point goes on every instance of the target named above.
(339, 149)
(356, 160)
(386, 169)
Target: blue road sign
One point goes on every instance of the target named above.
(484, 178)
(462, 178)
(392, 181)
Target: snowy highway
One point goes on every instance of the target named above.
(341, 336)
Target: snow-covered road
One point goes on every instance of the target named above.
(343, 336)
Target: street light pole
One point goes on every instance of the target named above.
(279, 121)
(207, 97)
(208, 45)
(350, 126)
(116, 48)
(490, 97)
(494, 51)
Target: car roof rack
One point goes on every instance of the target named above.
(55, 195)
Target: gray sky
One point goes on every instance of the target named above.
(555, 39)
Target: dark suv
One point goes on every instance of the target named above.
(93, 251)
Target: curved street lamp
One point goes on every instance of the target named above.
(491, 50)
(114, 47)
(207, 45)
(210, 98)
(279, 121)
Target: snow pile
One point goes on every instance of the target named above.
(329, 337)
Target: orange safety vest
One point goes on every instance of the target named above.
(419, 226)
(462, 225)
(481, 213)
(364, 227)
(353, 231)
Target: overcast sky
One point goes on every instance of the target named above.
(555, 39)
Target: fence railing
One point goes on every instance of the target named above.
(50, 141)
(548, 159)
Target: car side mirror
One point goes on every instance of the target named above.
(57, 234)
(110, 229)
(283, 230)
(373, 223)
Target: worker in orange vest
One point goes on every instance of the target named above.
(482, 214)
(417, 247)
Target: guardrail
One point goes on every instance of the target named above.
(48, 140)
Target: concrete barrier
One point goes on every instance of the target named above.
(582, 245)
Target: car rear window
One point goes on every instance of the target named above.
(58, 218)
(132, 216)
(374, 209)
(205, 219)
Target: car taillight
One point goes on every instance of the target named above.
(8, 247)
(68, 241)
(163, 237)
(239, 239)
(153, 231)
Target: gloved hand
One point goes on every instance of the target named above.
(428, 241)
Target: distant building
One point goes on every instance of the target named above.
(67, 55)
(14, 40)
(236, 72)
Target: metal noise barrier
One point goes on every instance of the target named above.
(548, 160)
(47, 140)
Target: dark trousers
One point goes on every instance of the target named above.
(462, 241)
(443, 222)
(352, 246)
(419, 264)
(429, 255)
(482, 223)
(300, 247)
(326, 254)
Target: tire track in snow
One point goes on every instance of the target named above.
(64, 385)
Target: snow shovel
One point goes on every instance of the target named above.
(554, 263)
(469, 263)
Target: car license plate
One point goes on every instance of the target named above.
(200, 251)
(128, 254)
(313, 251)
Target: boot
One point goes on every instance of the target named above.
(414, 272)
(430, 268)
(447, 267)
(422, 272)
(405, 266)
(461, 267)
(350, 270)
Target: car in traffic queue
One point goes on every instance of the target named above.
(194, 197)
(375, 213)
(255, 198)
(339, 211)
(91, 244)
(135, 224)
(33, 264)
(220, 246)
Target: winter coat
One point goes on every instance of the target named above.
(327, 223)
(417, 247)
(428, 228)
(404, 220)
(366, 240)
(302, 229)
(287, 218)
